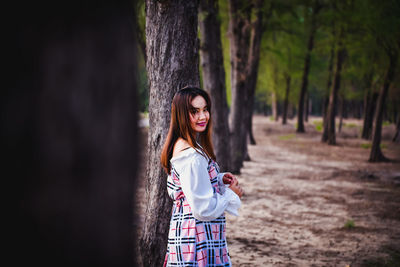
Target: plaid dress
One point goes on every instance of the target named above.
(192, 242)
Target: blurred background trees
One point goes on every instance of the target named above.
(282, 58)
(305, 57)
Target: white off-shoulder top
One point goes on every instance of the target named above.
(206, 205)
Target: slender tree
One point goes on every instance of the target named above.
(211, 59)
(286, 101)
(307, 63)
(383, 24)
(376, 154)
(369, 111)
(329, 134)
(306, 106)
(172, 63)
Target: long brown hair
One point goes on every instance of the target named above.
(180, 125)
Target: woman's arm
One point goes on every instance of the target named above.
(196, 185)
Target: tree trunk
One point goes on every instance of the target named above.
(286, 101)
(396, 138)
(306, 108)
(328, 87)
(172, 63)
(274, 104)
(376, 153)
(341, 113)
(369, 115)
(395, 107)
(307, 63)
(239, 33)
(329, 134)
(214, 78)
(69, 134)
(252, 140)
(253, 63)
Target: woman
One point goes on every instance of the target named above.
(201, 194)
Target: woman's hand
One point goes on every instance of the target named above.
(237, 189)
(233, 183)
(229, 179)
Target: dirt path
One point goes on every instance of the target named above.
(300, 193)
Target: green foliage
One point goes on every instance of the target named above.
(318, 125)
(349, 224)
(368, 145)
(282, 50)
(287, 137)
(370, 32)
(350, 125)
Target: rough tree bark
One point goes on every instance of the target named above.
(239, 35)
(286, 101)
(376, 154)
(69, 127)
(329, 134)
(307, 63)
(211, 59)
(172, 63)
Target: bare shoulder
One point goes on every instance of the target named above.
(180, 145)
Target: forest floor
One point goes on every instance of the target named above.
(310, 204)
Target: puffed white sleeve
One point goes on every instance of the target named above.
(196, 185)
(234, 205)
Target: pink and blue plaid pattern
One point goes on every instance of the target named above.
(192, 242)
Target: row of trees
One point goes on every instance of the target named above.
(317, 46)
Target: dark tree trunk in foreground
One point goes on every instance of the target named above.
(369, 112)
(329, 134)
(307, 64)
(239, 34)
(286, 101)
(172, 63)
(376, 153)
(214, 78)
(69, 123)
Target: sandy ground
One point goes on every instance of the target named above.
(300, 193)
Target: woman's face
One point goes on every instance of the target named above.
(200, 115)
